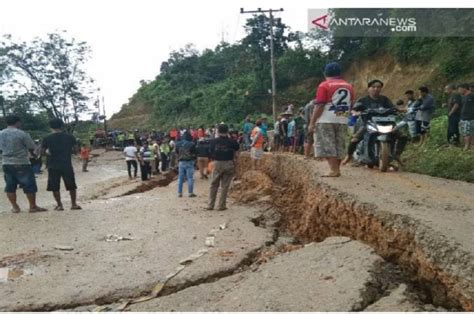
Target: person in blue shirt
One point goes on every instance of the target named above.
(186, 151)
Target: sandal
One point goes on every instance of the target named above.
(37, 210)
(59, 208)
(76, 207)
(16, 210)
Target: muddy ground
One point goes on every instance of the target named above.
(139, 247)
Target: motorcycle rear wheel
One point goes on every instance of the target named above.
(384, 155)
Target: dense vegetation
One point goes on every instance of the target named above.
(233, 80)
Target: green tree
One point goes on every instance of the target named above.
(50, 74)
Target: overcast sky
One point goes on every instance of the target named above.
(130, 39)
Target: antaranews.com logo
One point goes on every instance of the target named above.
(326, 22)
(403, 22)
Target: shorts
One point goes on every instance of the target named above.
(329, 140)
(423, 126)
(291, 141)
(466, 128)
(21, 175)
(54, 179)
(256, 153)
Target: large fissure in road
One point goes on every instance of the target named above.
(311, 209)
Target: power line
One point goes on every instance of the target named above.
(272, 56)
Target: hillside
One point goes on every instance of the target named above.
(397, 78)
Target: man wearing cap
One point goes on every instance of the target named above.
(333, 101)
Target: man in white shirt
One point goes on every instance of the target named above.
(130, 153)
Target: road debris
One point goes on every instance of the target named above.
(210, 241)
(226, 253)
(156, 290)
(193, 257)
(117, 238)
(223, 226)
(102, 308)
(63, 248)
(3, 275)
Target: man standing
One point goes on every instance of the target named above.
(256, 150)
(186, 151)
(466, 125)
(423, 115)
(223, 153)
(300, 131)
(85, 155)
(165, 151)
(292, 135)
(276, 135)
(203, 156)
(15, 145)
(121, 140)
(309, 138)
(130, 152)
(145, 161)
(454, 113)
(247, 129)
(412, 107)
(284, 139)
(329, 121)
(59, 146)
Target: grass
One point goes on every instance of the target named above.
(437, 159)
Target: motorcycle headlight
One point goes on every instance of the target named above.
(372, 128)
(385, 128)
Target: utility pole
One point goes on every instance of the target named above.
(272, 55)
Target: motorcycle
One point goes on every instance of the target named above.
(378, 146)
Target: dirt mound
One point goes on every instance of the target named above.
(253, 186)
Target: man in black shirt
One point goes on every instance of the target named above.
(58, 147)
(223, 151)
(202, 149)
(466, 125)
(454, 110)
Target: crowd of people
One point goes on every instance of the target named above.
(185, 150)
(319, 129)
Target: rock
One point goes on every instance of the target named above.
(397, 301)
(63, 248)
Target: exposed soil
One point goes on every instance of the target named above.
(311, 210)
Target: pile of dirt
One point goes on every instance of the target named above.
(253, 186)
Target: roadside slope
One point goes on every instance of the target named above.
(425, 224)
